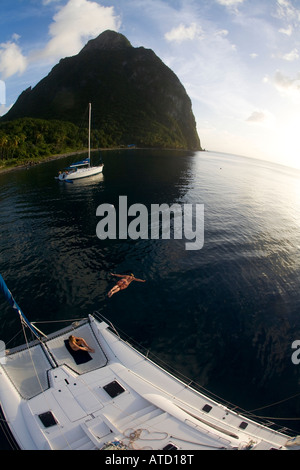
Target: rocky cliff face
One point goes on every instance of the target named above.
(135, 97)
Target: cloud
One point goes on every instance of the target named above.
(47, 2)
(230, 3)
(74, 24)
(183, 33)
(291, 56)
(12, 60)
(260, 117)
(256, 116)
(4, 109)
(283, 82)
(286, 11)
(222, 32)
(288, 31)
(288, 87)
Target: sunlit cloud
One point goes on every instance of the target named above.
(4, 109)
(183, 33)
(256, 116)
(287, 31)
(222, 32)
(230, 3)
(288, 87)
(219, 49)
(74, 24)
(261, 117)
(47, 2)
(12, 60)
(285, 10)
(285, 83)
(291, 56)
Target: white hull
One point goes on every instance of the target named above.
(81, 170)
(81, 173)
(118, 399)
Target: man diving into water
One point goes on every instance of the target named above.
(123, 283)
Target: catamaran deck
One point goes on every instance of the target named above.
(28, 367)
(117, 395)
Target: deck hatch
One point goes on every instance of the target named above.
(170, 446)
(48, 419)
(243, 425)
(114, 389)
(207, 408)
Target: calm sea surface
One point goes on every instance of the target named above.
(225, 316)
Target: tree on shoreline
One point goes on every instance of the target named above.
(27, 139)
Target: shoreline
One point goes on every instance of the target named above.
(29, 164)
(59, 156)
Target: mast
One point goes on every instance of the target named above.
(16, 307)
(90, 115)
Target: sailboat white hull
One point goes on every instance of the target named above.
(118, 399)
(81, 173)
(82, 169)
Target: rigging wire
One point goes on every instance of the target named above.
(24, 325)
(275, 403)
(11, 339)
(212, 395)
(252, 412)
(276, 418)
(139, 437)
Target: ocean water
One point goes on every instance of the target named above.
(225, 315)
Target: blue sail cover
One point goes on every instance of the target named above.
(81, 163)
(14, 305)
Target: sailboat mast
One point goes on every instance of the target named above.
(16, 307)
(90, 119)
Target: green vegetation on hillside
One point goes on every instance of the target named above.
(27, 140)
(30, 140)
(136, 99)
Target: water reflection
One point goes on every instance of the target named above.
(225, 315)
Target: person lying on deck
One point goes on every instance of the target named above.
(79, 343)
(123, 283)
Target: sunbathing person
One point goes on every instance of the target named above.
(79, 343)
(123, 283)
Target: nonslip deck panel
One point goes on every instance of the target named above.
(61, 354)
(28, 368)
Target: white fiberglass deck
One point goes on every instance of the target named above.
(29, 380)
(118, 395)
(28, 368)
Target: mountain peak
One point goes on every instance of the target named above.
(136, 97)
(108, 40)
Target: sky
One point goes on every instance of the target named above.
(239, 60)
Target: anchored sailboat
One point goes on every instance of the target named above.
(53, 398)
(83, 168)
